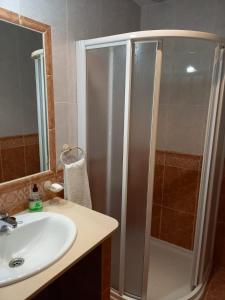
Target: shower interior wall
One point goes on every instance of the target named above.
(183, 113)
(183, 108)
(202, 15)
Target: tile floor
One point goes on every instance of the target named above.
(216, 286)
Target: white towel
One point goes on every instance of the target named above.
(76, 183)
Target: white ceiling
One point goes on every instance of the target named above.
(144, 2)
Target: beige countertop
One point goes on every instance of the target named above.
(93, 228)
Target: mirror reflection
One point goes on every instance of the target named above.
(23, 121)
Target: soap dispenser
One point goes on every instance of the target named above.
(35, 201)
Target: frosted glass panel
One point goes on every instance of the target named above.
(184, 95)
(183, 112)
(140, 132)
(105, 117)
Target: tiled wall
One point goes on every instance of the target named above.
(184, 97)
(175, 197)
(17, 200)
(220, 232)
(70, 20)
(19, 156)
(202, 15)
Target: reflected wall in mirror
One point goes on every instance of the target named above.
(23, 111)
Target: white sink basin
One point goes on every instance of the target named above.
(40, 239)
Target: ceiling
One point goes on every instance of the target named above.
(144, 2)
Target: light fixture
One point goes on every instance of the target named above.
(191, 69)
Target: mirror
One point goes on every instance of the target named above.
(23, 103)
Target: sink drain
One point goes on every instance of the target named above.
(16, 262)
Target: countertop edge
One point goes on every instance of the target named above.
(31, 286)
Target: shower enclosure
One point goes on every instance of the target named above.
(150, 117)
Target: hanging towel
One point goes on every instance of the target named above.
(76, 183)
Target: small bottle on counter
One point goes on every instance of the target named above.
(35, 201)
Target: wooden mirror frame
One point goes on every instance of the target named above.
(17, 19)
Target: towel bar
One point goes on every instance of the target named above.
(71, 158)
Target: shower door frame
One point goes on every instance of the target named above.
(208, 168)
(127, 39)
(81, 59)
(81, 49)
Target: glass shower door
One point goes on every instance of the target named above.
(143, 119)
(121, 89)
(106, 68)
(181, 154)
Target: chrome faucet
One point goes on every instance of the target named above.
(7, 222)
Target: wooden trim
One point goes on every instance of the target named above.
(41, 176)
(52, 150)
(50, 97)
(31, 24)
(9, 16)
(48, 52)
(106, 268)
(12, 17)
